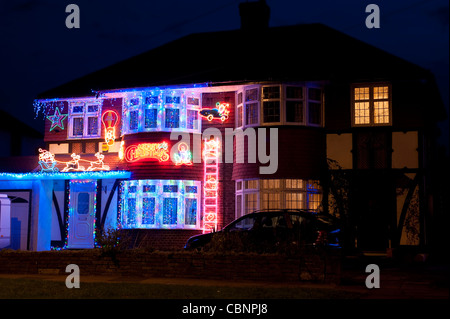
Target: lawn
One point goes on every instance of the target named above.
(22, 288)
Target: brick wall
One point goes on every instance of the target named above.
(267, 267)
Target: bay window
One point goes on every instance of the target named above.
(161, 110)
(253, 195)
(285, 104)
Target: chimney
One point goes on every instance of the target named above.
(254, 15)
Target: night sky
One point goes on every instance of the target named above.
(38, 52)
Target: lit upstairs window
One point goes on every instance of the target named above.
(371, 105)
(84, 119)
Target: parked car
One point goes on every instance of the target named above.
(272, 226)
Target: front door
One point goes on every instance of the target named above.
(82, 214)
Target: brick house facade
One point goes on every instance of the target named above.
(376, 123)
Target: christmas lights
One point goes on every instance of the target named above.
(109, 120)
(211, 177)
(159, 204)
(184, 155)
(157, 151)
(64, 176)
(57, 119)
(220, 112)
(47, 162)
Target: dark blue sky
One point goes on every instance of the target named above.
(38, 52)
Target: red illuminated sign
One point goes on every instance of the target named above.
(159, 151)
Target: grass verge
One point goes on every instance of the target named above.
(20, 288)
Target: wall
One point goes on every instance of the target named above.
(267, 267)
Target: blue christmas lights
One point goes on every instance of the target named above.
(65, 175)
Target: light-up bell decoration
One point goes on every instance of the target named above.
(109, 120)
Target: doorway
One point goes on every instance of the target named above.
(82, 209)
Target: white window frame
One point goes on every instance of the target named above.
(302, 100)
(85, 115)
(257, 102)
(159, 196)
(160, 105)
(280, 101)
(196, 108)
(308, 99)
(132, 108)
(371, 102)
(241, 107)
(282, 189)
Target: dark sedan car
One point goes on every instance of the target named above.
(273, 226)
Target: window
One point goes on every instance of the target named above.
(277, 194)
(84, 120)
(251, 106)
(287, 104)
(172, 118)
(190, 211)
(160, 204)
(294, 104)
(161, 110)
(271, 104)
(150, 118)
(371, 105)
(239, 110)
(192, 120)
(170, 211)
(314, 106)
(372, 150)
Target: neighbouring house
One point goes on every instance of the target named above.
(321, 121)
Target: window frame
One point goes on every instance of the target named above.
(85, 115)
(302, 100)
(308, 100)
(159, 196)
(257, 103)
(280, 100)
(282, 190)
(371, 102)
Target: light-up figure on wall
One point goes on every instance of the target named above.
(184, 155)
(73, 165)
(47, 161)
(98, 165)
(109, 120)
(220, 112)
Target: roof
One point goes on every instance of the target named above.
(11, 124)
(305, 52)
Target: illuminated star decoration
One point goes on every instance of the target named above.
(57, 119)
